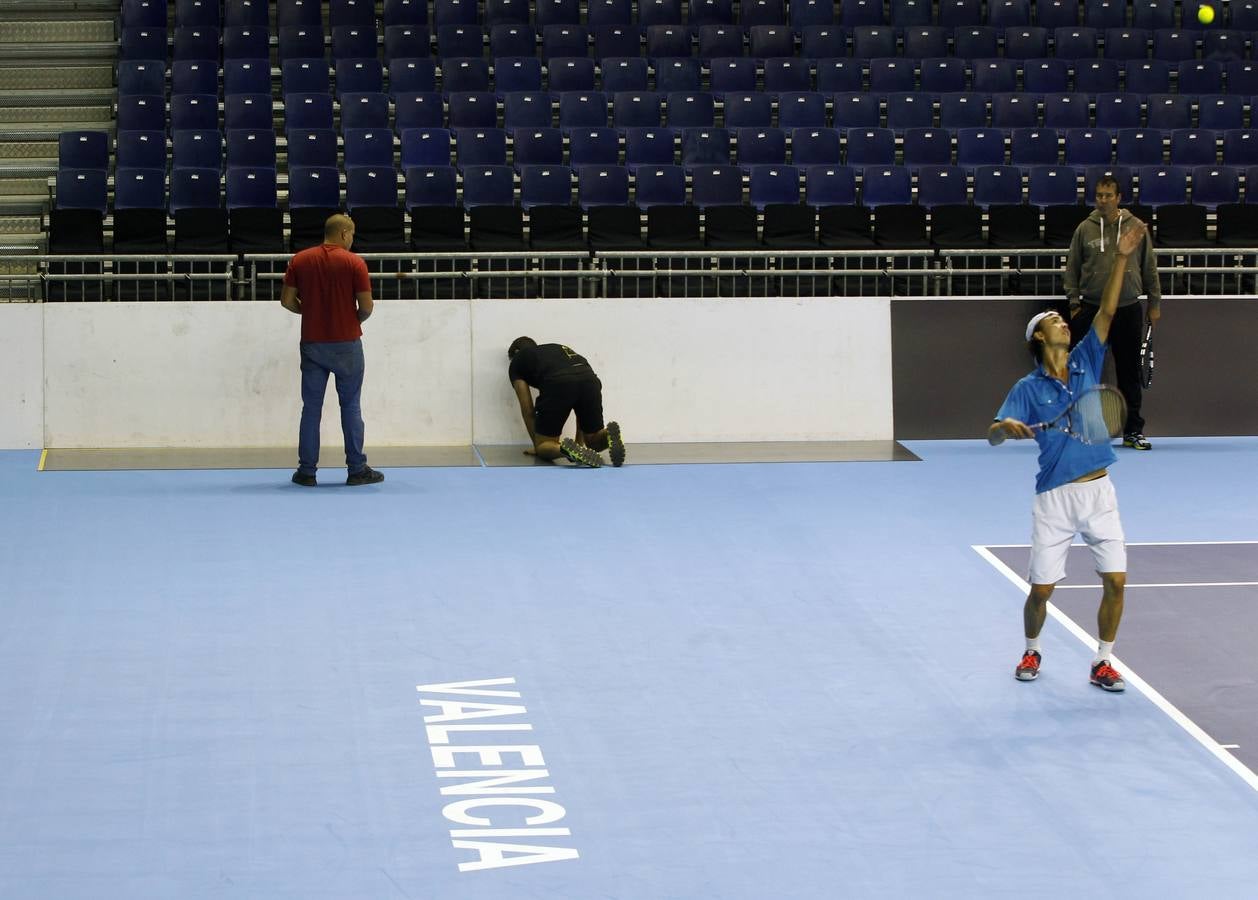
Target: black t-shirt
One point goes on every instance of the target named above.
(548, 364)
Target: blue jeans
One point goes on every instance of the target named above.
(345, 360)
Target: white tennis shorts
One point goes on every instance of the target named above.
(1088, 509)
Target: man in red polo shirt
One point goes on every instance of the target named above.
(329, 288)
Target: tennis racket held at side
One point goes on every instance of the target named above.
(1146, 357)
(1096, 416)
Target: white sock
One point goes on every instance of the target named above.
(1103, 652)
(1033, 644)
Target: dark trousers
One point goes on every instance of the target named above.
(345, 360)
(1125, 334)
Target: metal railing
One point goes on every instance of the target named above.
(27, 276)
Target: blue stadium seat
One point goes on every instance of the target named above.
(370, 186)
(309, 147)
(1026, 42)
(144, 14)
(144, 42)
(371, 147)
(304, 13)
(196, 43)
(659, 12)
(885, 186)
(830, 186)
(405, 12)
(141, 150)
(624, 74)
(1052, 186)
(412, 76)
(480, 147)
(711, 12)
(1244, 15)
(891, 74)
(1242, 77)
(803, 110)
(909, 110)
(1117, 110)
(570, 74)
(527, 109)
(585, 109)
(251, 188)
(649, 147)
(246, 76)
(1104, 13)
(1162, 185)
(705, 147)
(634, 109)
(609, 12)
(308, 111)
(686, 110)
(1015, 110)
(454, 12)
(771, 41)
(1140, 147)
(194, 189)
(1220, 112)
(342, 13)
(141, 76)
(997, 186)
(815, 147)
(1240, 148)
(186, 111)
(974, 41)
(1193, 147)
(425, 147)
(717, 185)
(140, 112)
(460, 41)
(942, 186)
(962, 110)
(677, 74)
(773, 185)
(753, 110)
(602, 186)
(512, 40)
(823, 42)
(314, 187)
(364, 111)
(872, 42)
(783, 75)
(83, 150)
(252, 147)
(1215, 185)
(980, 147)
(1007, 13)
(192, 77)
(474, 109)
(663, 41)
(995, 76)
(860, 13)
(836, 76)
(594, 147)
(1200, 76)
(1089, 147)
(1094, 76)
(545, 186)
(407, 42)
(927, 147)
(420, 110)
(428, 186)
(1168, 111)
(461, 74)
(1127, 44)
(300, 42)
(761, 146)
(809, 13)
(1173, 45)
(1152, 14)
(720, 41)
(943, 75)
(733, 75)
(1093, 174)
(1149, 76)
(660, 185)
(304, 76)
(537, 147)
(1056, 13)
(1034, 146)
(140, 188)
(506, 12)
(246, 42)
(926, 42)
(197, 148)
(616, 41)
(1075, 43)
(489, 186)
(247, 111)
(856, 110)
(568, 41)
(1066, 110)
(870, 147)
(910, 13)
(354, 42)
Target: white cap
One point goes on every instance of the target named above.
(1035, 320)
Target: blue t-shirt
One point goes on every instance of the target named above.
(1039, 397)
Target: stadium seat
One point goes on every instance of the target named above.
(141, 150)
(407, 42)
(480, 147)
(308, 111)
(311, 147)
(537, 147)
(197, 149)
(425, 147)
(594, 147)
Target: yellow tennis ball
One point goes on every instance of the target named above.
(1205, 15)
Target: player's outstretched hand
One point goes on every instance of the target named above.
(530, 452)
(1133, 233)
(1016, 430)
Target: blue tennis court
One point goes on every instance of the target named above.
(662, 681)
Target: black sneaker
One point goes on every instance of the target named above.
(615, 444)
(303, 479)
(1136, 442)
(1029, 668)
(581, 455)
(367, 476)
(1106, 677)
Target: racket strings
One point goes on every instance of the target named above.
(1099, 415)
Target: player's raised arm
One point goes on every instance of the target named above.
(1134, 232)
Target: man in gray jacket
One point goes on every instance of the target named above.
(1088, 264)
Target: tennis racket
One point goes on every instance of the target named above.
(1146, 357)
(1096, 416)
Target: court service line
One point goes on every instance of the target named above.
(1136, 544)
(1186, 584)
(1246, 774)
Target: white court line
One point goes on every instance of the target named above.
(1187, 584)
(1215, 748)
(1230, 746)
(1141, 544)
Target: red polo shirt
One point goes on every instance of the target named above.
(327, 278)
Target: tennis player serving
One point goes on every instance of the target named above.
(1072, 493)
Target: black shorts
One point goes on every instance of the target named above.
(558, 399)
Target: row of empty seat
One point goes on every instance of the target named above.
(706, 42)
(799, 13)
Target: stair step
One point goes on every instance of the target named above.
(23, 118)
(60, 32)
(24, 225)
(56, 78)
(26, 149)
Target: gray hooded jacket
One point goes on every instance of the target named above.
(1092, 255)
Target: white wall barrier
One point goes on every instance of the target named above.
(226, 374)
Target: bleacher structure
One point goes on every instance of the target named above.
(698, 141)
